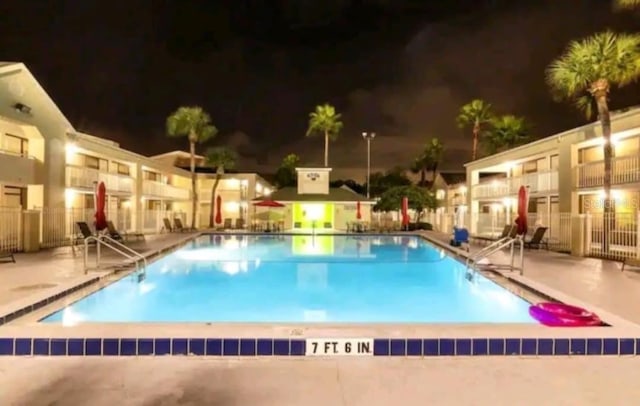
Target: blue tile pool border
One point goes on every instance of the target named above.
(259, 347)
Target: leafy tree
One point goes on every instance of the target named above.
(477, 115)
(286, 173)
(584, 75)
(381, 182)
(221, 158)
(325, 121)
(351, 184)
(626, 4)
(506, 132)
(428, 160)
(420, 199)
(195, 124)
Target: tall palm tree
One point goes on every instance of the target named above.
(585, 74)
(506, 132)
(626, 4)
(195, 124)
(428, 160)
(222, 158)
(475, 114)
(325, 121)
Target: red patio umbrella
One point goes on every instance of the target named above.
(358, 214)
(405, 211)
(523, 209)
(100, 216)
(218, 218)
(268, 203)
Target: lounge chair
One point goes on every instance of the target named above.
(113, 233)
(297, 225)
(507, 231)
(239, 224)
(631, 263)
(228, 225)
(178, 226)
(85, 232)
(327, 224)
(167, 225)
(537, 239)
(7, 257)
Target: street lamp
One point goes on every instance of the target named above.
(368, 136)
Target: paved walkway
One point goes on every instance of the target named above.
(583, 381)
(35, 272)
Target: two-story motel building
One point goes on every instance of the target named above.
(564, 174)
(48, 166)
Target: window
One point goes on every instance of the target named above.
(91, 162)
(440, 194)
(122, 169)
(555, 162)
(530, 167)
(154, 176)
(89, 201)
(16, 145)
(590, 154)
(627, 147)
(13, 196)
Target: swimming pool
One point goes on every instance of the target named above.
(302, 278)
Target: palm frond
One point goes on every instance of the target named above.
(191, 121)
(325, 119)
(626, 4)
(476, 111)
(222, 158)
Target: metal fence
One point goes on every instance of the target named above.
(58, 225)
(618, 242)
(10, 229)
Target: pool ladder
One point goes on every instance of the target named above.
(138, 259)
(511, 242)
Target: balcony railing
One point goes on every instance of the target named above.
(82, 177)
(164, 191)
(624, 169)
(538, 182)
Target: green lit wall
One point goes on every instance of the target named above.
(304, 214)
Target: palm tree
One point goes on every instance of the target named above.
(221, 158)
(325, 121)
(475, 114)
(195, 124)
(584, 74)
(626, 4)
(506, 132)
(428, 160)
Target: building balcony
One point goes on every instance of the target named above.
(17, 168)
(86, 178)
(538, 182)
(624, 170)
(154, 189)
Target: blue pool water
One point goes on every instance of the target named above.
(241, 278)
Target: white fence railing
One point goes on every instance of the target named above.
(538, 182)
(621, 238)
(80, 177)
(164, 191)
(625, 169)
(10, 229)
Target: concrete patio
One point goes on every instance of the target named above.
(583, 381)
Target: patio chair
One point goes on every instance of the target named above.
(7, 257)
(537, 239)
(227, 224)
(113, 233)
(631, 263)
(167, 225)
(508, 230)
(327, 224)
(178, 226)
(239, 224)
(85, 232)
(297, 224)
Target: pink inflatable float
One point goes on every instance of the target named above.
(563, 315)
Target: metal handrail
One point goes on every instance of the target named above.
(134, 255)
(493, 248)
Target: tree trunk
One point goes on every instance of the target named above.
(423, 176)
(326, 149)
(476, 135)
(212, 212)
(609, 209)
(194, 192)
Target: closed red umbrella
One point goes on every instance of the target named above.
(268, 203)
(358, 213)
(101, 199)
(218, 218)
(405, 211)
(523, 209)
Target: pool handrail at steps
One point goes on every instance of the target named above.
(473, 259)
(115, 246)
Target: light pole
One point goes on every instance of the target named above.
(368, 137)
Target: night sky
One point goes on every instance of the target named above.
(401, 68)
